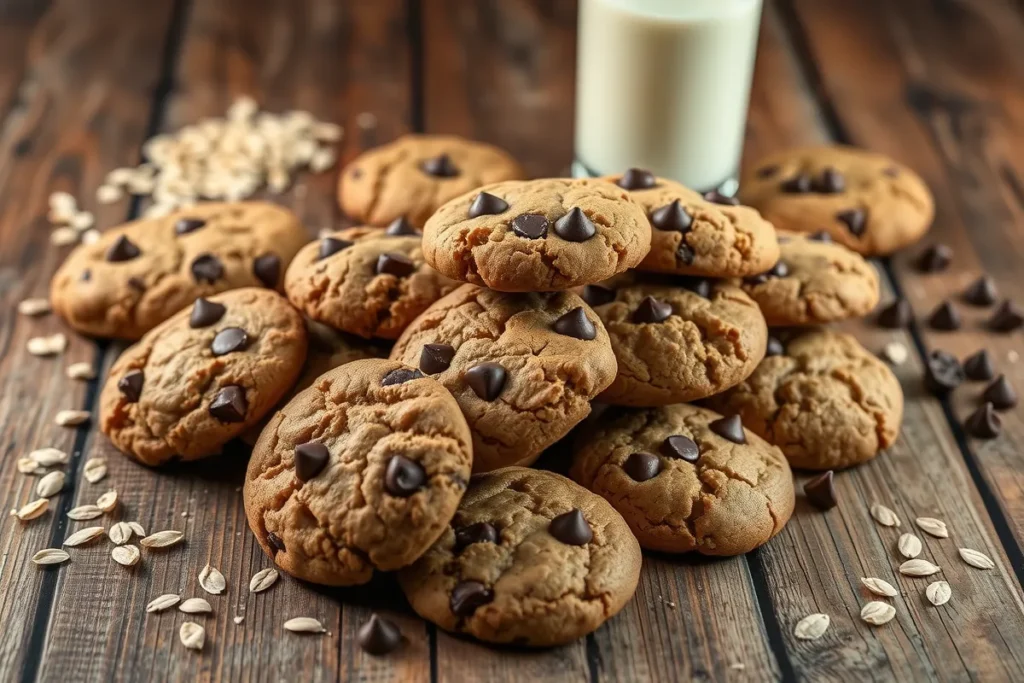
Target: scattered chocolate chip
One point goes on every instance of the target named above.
(275, 542)
(229, 405)
(820, 236)
(378, 636)
(229, 340)
(400, 227)
(1007, 317)
(532, 226)
(775, 347)
(571, 528)
(468, 596)
(798, 184)
(487, 205)
(123, 249)
(486, 380)
(652, 310)
(131, 385)
(981, 292)
(945, 317)
(596, 295)
(435, 358)
(684, 254)
(984, 423)
(935, 258)
(440, 166)
(575, 226)
(576, 324)
(395, 264)
(205, 313)
(830, 181)
(207, 268)
(896, 315)
(310, 459)
(672, 217)
(730, 428)
(821, 491)
(186, 225)
(943, 373)
(267, 269)
(979, 366)
(854, 219)
(716, 197)
(481, 532)
(637, 179)
(400, 376)
(1000, 394)
(330, 246)
(679, 446)
(767, 171)
(403, 477)
(642, 466)
(701, 286)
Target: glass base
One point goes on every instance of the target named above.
(728, 187)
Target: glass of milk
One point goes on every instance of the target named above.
(663, 85)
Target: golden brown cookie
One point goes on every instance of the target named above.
(531, 558)
(140, 274)
(523, 367)
(362, 471)
(687, 479)
(203, 377)
(537, 235)
(826, 401)
(416, 174)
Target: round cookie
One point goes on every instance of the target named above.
(137, 275)
(864, 200)
(827, 402)
(677, 342)
(203, 377)
(815, 281)
(537, 235)
(523, 367)
(360, 472)
(686, 479)
(415, 174)
(531, 558)
(691, 235)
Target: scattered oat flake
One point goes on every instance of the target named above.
(938, 593)
(34, 307)
(128, 555)
(63, 236)
(138, 529)
(81, 512)
(83, 220)
(212, 581)
(933, 527)
(238, 619)
(108, 194)
(879, 587)
(877, 613)
(71, 418)
(37, 508)
(263, 579)
(83, 371)
(976, 559)
(304, 625)
(50, 556)
(919, 567)
(48, 457)
(162, 539)
(108, 501)
(62, 201)
(95, 469)
(90, 237)
(884, 515)
(895, 352)
(192, 635)
(29, 466)
(165, 601)
(83, 536)
(909, 546)
(812, 627)
(50, 485)
(119, 533)
(195, 606)
(47, 346)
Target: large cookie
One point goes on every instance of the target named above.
(203, 377)
(827, 402)
(685, 479)
(537, 235)
(862, 199)
(530, 558)
(691, 235)
(361, 471)
(523, 367)
(140, 274)
(415, 174)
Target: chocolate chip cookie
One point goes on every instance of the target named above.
(687, 479)
(523, 367)
(815, 281)
(826, 401)
(416, 174)
(140, 274)
(677, 340)
(361, 471)
(694, 235)
(537, 235)
(864, 200)
(530, 559)
(203, 377)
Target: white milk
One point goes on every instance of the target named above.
(663, 85)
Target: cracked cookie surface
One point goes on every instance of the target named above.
(681, 486)
(827, 402)
(537, 235)
(203, 377)
(520, 382)
(360, 472)
(864, 200)
(140, 274)
(415, 174)
(530, 558)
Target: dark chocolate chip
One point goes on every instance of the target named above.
(229, 405)
(86, 275)
(716, 197)
(378, 636)
(487, 205)
(775, 347)
(642, 466)
(123, 249)
(684, 254)
(821, 491)
(780, 269)
(229, 340)
(830, 181)
(596, 295)
(205, 313)
(571, 528)
(186, 225)
(943, 372)
(403, 476)
(1007, 317)
(435, 358)
(798, 184)
(855, 221)
(275, 542)
(440, 166)
(131, 385)
(310, 459)
(486, 380)
(730, 428)
(767, 171)
(935, 258)
(400, 376)
(981, 292)
(400, 227)
(575, 226)
(984, 423)
(330, 246)
(701, 286)
(395, 264)
(576, 324)
(1000, 394)
(682, 447)
(896, 315)
(820, 236)
(207, 268)
(672, 217)
(136, 283)
(468, 596)
(481, 532)
(979, 366)
(532, 226)
(637, 179)
(945, 317)
(267, 269)
(652, 310)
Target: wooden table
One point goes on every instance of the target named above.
(937, 84)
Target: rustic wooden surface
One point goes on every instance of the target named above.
(939, 85)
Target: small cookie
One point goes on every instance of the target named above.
(692, 235)
(678, 342)
(416, 174)
(815, 281)
(827, 402)
(361, 471)
(537, 235)
(523, 367)
(687, 479)
(203, 377)
(530, 558)
(140, 274)
(864, 200)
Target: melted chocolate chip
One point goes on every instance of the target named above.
(767, 171)
(267, 269)
(673, 217)
(821, 491)
(468, 596)
(487, 205)
(395, 264)
(401, 227)
(186, 225)
(576, 324)
(310, 459)
(716, 197)
(701, 286)
(652, 310)
(440, 166)
(684, 254)
(486, 380)
(642, 466)
(637, 179)
(400, 376)
(730, 428)
(820, 236)
(682, 447)
(571, 528)
(481, 532)
(229, 404)
(798, 184)
(275, 542)
(205, 313)
(378, 636)
(532, 226)
(575, 226)
(329, 246)
(435, 358)
(207, 268)
(130, 385)
(855, 221)
(596, 295)
(229, 340)
(123, 249)
(403, 477)
(830, 181)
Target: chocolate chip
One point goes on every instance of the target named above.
(767, 171)
(532, 226)
(435, 358)
(330, 246)
(267, 269)
(775, 347)
(576, 324)
(487, 205)
(575, 226)
(229, 405)
(1007, 317)
(403, 477)
(716, 197)
(637, 179)
(981, 292)
(468, 596)
(136, 283)
(275, 542)
(984, 423)
(652, 310)
(820, 236)
(481, 532)
(205, 313)
(935, 258)
(310, 459)
(440, 166)
(672, 217)
(86, 275)
(943, 373)
(1000, 394)
(378, 636)
(821, 491)
(730, 428)
(979, 366)
(854, 219)
(642, 466)
(798, 184)
(830, 181)
(780, 269)
(701, 286)
(131, 385)
(571, 528)
(186, 225)
(679, 446)
(896, 315)
(229, 340)
(123, 249)
(684, 254)
(395, 264)
(207, 268)
(945, 317)
(400, 227)
(596, 295)
(486, 380)
(400, 376)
